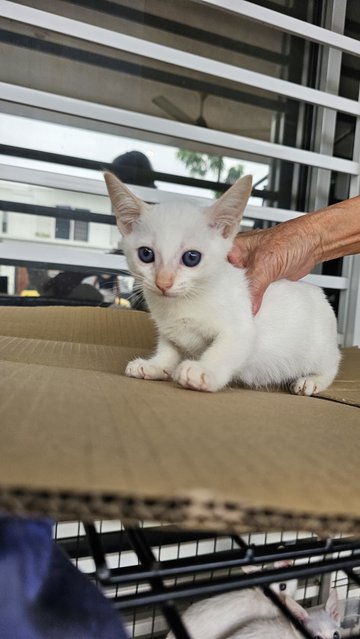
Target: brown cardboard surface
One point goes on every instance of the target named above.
(346, 387)
(80, 325)
(79, 439)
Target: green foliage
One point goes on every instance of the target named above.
(196, 163)
(234, 173)
(201, 164)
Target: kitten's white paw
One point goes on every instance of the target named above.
(144, 369)
(191, 374)
(310, 385)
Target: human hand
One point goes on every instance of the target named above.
(285, 251)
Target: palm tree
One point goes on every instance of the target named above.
(200, 164)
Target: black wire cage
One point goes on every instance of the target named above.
(153, 573)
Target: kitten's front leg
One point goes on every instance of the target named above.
(161, 366)
(218, 364)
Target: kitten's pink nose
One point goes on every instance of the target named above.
(164, 282)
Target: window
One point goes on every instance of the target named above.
(4, 222)
(81, 231)
(62, 229)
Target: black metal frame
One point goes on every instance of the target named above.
(195, 582)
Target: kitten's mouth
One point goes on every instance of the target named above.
(165, 293)
(168, 294)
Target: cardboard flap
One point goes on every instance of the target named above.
(78, 439)
(80, 325)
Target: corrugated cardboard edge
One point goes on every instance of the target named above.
(198, 511)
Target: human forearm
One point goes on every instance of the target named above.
(336, 230)
(290, 250)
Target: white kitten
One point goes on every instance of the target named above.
(249, 614)
(201, 305)
(227, 615)
(266, 629)
(321, 622)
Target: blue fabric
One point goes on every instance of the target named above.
(42, 594)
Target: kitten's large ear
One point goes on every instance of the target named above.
(127, 207)
(225, 214)
(332, 607)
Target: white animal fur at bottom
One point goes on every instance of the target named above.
(249, 614)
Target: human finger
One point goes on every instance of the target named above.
(237, 256)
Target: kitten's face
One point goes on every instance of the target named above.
(321, 623)
(322, 626)
(173, 252)
(174, 249)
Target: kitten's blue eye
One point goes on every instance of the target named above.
(191, 258)
(146, 254)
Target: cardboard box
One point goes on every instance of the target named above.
(80, 440)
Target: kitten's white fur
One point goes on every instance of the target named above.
(208, 336)
(249, 614)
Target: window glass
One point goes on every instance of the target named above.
(62, 229)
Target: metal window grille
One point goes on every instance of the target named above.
(81, 231)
